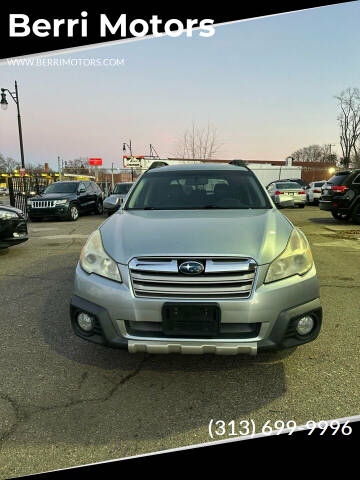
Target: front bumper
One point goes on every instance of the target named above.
(275, 307)
(13, 232)
(60, 211)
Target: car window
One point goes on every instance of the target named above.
(178, 190)
(288, 185)
(122, 188)
(357, 179)
(61, 187)
(338, 178)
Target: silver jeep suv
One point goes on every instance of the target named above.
(197, 260)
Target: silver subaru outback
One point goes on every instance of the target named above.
(197, 260)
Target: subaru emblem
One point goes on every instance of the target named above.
(191, 267)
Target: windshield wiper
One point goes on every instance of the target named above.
(223, 208)
(143, 208)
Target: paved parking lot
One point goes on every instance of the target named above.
(66, 402)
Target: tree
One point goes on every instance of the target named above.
(199, 143)
(8, 165)
(349, 122)
(77, 166)
(37, 170)
(315, 153)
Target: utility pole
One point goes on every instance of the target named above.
(112, 176)
(128, 145)
(153, 152)
(59, 169)
(331, 145)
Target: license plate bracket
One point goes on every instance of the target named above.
(191, 319)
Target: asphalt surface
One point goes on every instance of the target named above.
(67, 402)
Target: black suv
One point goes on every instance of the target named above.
(341, 196)
(66, 200)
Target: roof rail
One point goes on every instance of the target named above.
(240, 163)
(158, 164)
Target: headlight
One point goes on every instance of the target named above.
(296, 259)
(29, 203)
(61, 202)
(5, 215)
(94, 259)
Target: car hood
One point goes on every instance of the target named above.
(259, 234)
(54, 196)
(10, 209)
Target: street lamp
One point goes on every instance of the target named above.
(4, 105)
(128, 145)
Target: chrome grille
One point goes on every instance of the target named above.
(43, 203)
(222, 278)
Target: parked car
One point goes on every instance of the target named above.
(4, 191)
(66, 200)
(313, 192)
(341, 196)
(198, 260)
(287, 194)
(114, 201)
(13, 226)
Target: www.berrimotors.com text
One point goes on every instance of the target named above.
(21, 25)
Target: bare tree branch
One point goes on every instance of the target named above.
(349, 122)
(198, 143)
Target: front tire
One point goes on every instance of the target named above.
(99, 208)
(73, 213)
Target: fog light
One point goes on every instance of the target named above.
(305, 325)
(85, 321)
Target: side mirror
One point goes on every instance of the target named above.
(82, 190)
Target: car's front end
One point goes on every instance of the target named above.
(49, 206)
(13, 227)
(210, 279)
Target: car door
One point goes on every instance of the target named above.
(83, 197)
(92, 190)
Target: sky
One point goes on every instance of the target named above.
(267, 85)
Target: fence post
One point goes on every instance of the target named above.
(11, 191)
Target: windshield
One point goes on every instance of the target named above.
(122, 188)
(288, 186)
(62, 187)
(180, 190)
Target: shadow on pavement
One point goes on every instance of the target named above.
(90, 394)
